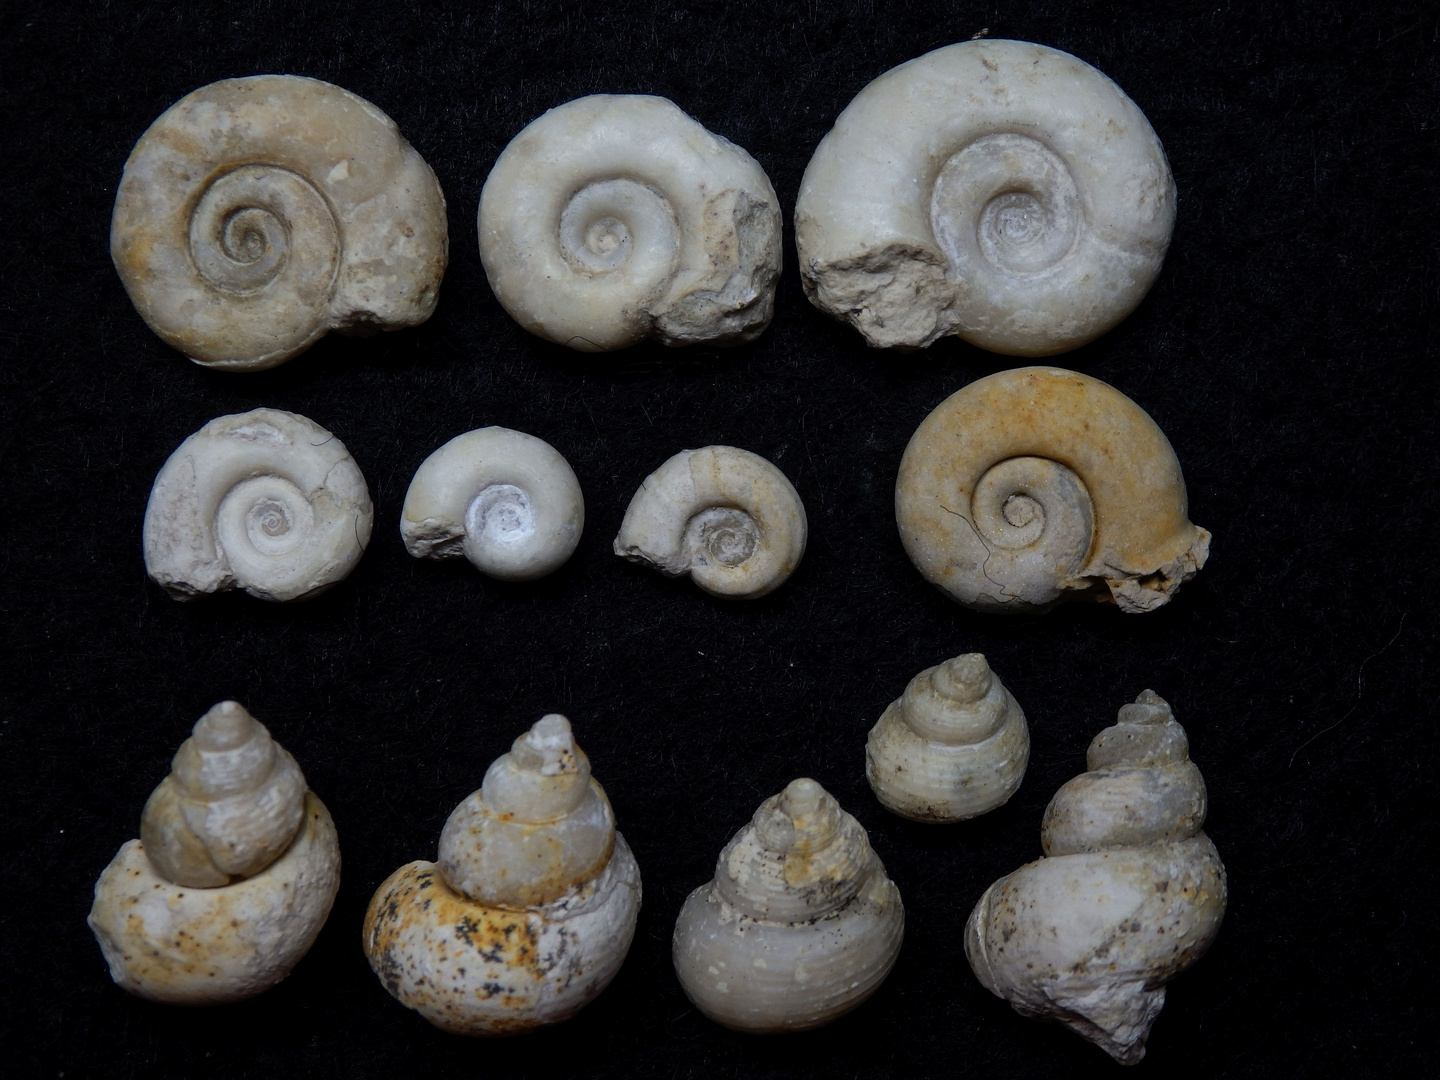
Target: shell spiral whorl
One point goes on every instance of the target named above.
(613, 218)
(953, 746)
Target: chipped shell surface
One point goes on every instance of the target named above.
(257, 214)
(187, 946)
(1130, 894)
(1002, 191)
(616, 217)
(266, 501)
(1036, 485)
(726, 517)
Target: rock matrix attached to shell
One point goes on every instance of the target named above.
(530, 911)
(1037, 485)
(1130, 894)
(952, 747)
(257, 214)
(999, 190)
(232, 878)
(616, 217)
(800, 924)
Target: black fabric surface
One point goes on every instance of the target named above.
(1286, 351)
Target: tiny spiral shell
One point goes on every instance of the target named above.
(999, 190)
(614, 218)
(1038, 484)
(257, 214)
(265, 501)
(725, 516)
(1130, 894)
(800, 924)
(507, 501)
(953, 746)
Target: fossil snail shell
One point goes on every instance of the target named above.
(725, 516)
(1035, 485)
(530, 911)
(232, 878)
(257, 214)
(265, 501)
(616, 217)
(505, 500)
(998, 190)
(953, 746)
(1131, 891)
(800, 924)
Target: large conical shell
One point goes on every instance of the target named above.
(1131, 892)
(952, 747)
(800, 924)
(532, 907)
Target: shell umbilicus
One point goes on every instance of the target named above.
(999, 190)
(800, 924)
(953, 746)
(1038, 484)
(265, 501)
(257, 214)
(507, 501)
(616, 217)
(232, 878)
(530, 911)
(725, 516)
(1131, 891)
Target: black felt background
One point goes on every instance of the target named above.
(1285, 351)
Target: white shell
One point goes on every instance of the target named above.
(1131, 892)
(1037, 485)
(614, 218)
(725, 516)
(257, 214)
(998, 190)
(265, 501)
(507, 501)
(800, 924)
(265, 843)
(952, 747)
(531, 910)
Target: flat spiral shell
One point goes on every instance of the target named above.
(507, 501)
(265, 501)
(953, 746)
(614, 218)
(999, 190)
(1038, 484)
(257, 214)
(1131, 892)
(800, 924)
(725, 516)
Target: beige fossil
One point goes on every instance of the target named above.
(999, 190)
(616, 217)
(1036, 485)
(257, 214)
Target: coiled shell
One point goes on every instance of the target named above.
(505, 500)
(1131, 892)
(531, 910)
(233, 876)
(998, 190)
(800, 924)
(265, 501)
(614, 218)
(725, 516)
(1036, 485)
(953, 746)
(257, 214)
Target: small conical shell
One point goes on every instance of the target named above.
(231, 805)
(953, 746)
(800, 924)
